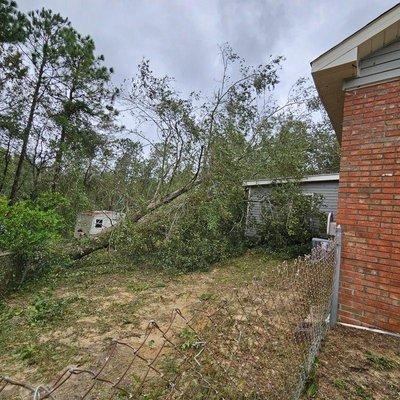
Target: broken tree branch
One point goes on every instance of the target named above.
(102, 241)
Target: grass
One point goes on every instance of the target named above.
(69, 315)
(358, 365)
(206, 296)
(311, 385)
(340, 384)
(379, 362)
(362, 393)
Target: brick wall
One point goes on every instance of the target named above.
(369, 207)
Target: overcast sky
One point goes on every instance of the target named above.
(181, 38)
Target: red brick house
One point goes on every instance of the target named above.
(358, 81)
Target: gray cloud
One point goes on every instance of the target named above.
(181, 38)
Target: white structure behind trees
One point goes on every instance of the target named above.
(94, 222)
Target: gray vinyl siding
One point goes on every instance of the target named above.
(257, 195)
(329, 192)
(383, 64)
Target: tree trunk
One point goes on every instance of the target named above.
(35, 182)
(58, 160)
(60, 149)
(87, 175)
(7, 159)
(102, 241)
(26, 135)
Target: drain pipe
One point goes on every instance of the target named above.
(374, 330)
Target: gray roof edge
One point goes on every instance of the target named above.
(309, 178)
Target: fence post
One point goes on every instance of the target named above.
(336, 276)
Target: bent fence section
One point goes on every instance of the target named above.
(258, 342)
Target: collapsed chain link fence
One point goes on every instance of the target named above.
(259, 342)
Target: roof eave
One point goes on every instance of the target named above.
(329, 84)
(307, 179)
(340, 63)
(345, 49)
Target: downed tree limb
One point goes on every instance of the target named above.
(102, 241)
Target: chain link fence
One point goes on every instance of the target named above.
(258, 342)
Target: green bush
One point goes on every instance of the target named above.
(67, 207)
(290, 219)
(28, 229)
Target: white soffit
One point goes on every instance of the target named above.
(378, 33)
(340, 63)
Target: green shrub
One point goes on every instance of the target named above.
(290, 219)
(28, 230)
(67, 207)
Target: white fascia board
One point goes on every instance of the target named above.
(311, 178)
(332, 57)
(350, 56)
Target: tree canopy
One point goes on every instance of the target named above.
(185, 155)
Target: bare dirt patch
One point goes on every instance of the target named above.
(70, 316)
(240, 342)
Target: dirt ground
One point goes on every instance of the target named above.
(243, 314)
(70, 316)
(359, 365)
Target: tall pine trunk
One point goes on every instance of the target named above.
(7, 159)
(58, 160)
(61, 142)
(26, 134)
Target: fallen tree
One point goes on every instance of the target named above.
(185, 151)
(102, 241)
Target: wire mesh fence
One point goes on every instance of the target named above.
(258, 342)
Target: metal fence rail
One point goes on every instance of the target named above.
(259, 342)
